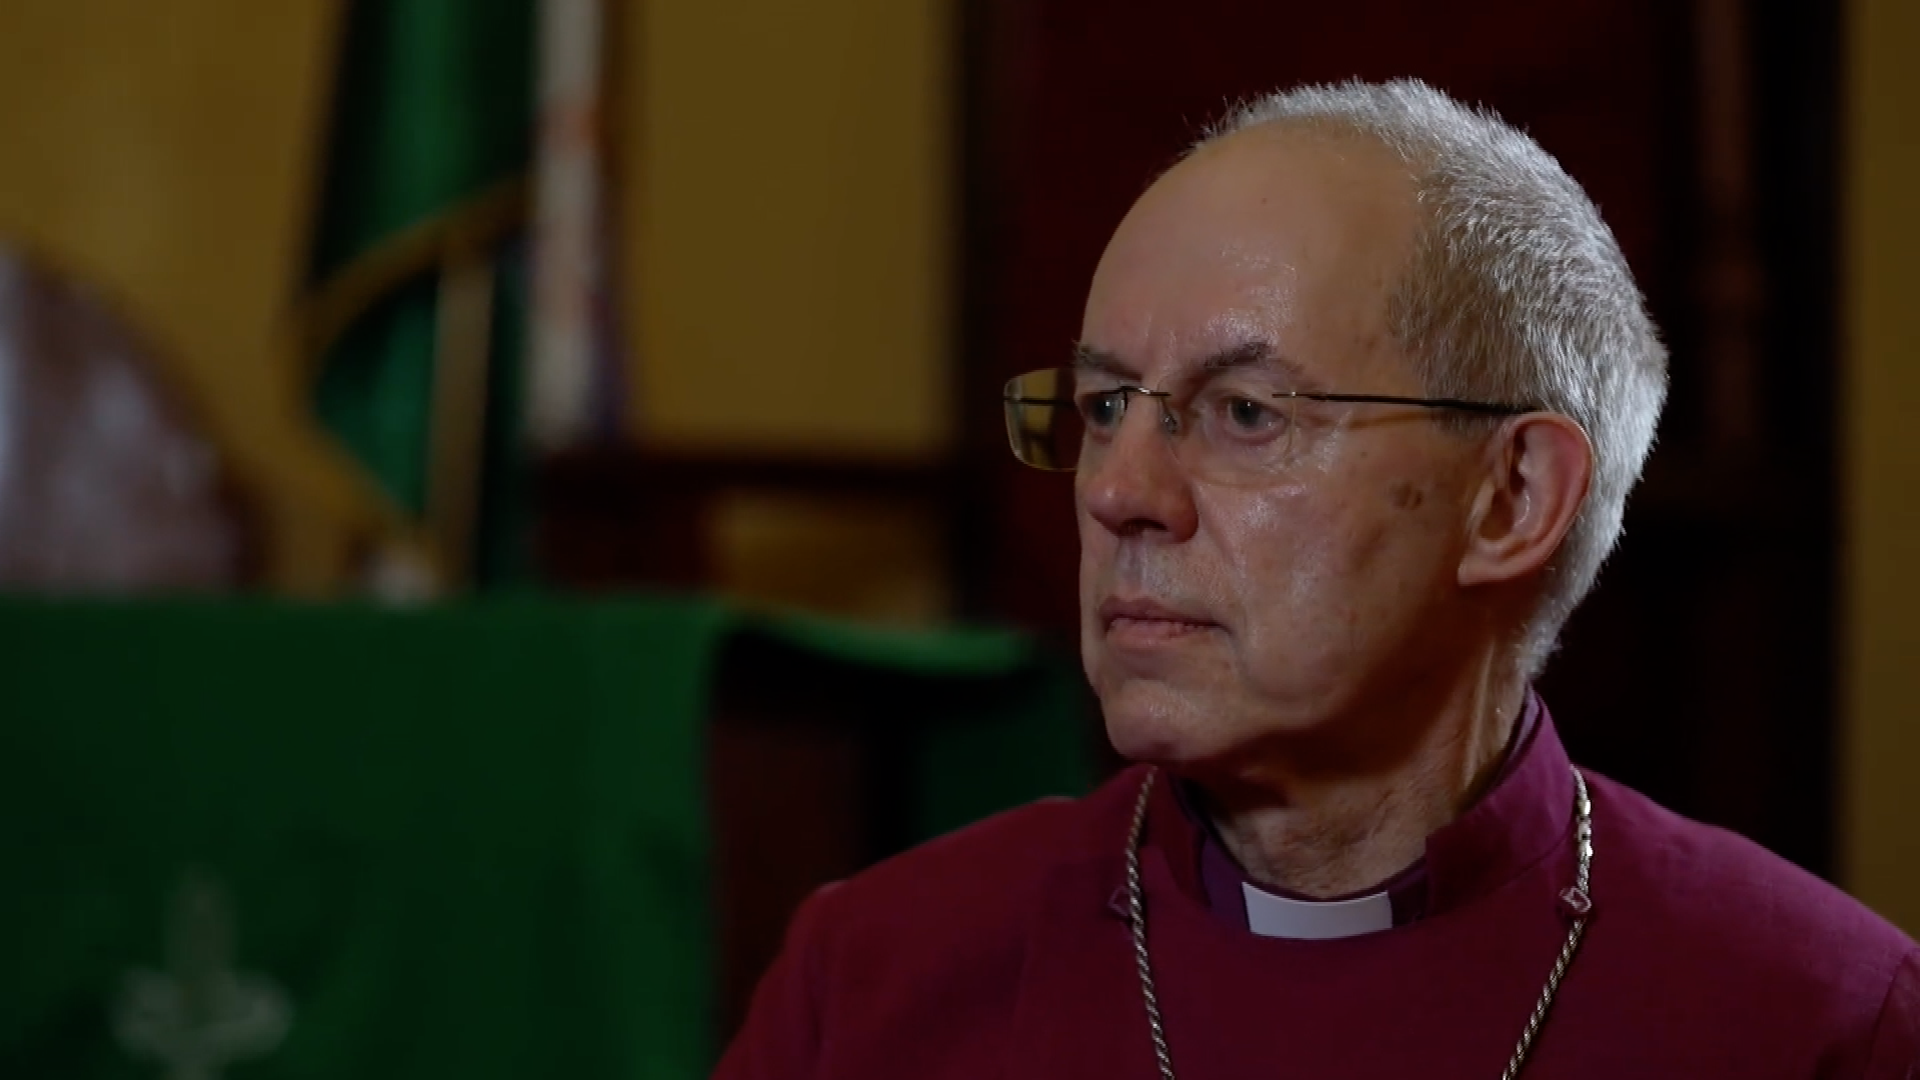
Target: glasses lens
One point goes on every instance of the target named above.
(1241, 433)
(1044, 428)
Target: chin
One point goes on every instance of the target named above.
(1168, 705)
(1156, 724)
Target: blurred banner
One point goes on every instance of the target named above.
(576, 385)
(419, 284)
(433, 370)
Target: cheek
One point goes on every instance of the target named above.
(1277, 546)
(1306, 572)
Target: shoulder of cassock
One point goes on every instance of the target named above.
(1700, 904)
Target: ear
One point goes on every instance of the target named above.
(1538, 469)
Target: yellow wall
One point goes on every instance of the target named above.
(863, 557)
(785, 173)
(1881, 422)
(164, 153)
(787, 222)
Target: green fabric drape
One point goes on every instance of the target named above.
(433, 105)
(467, 841)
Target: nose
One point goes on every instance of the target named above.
(1135, 486)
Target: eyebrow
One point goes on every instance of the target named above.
(1247, 354)
(1088, 358)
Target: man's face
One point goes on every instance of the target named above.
(1219, 612)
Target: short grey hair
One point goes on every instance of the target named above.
(1517, 292)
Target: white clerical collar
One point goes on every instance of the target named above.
(1278, 917)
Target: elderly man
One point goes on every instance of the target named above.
(1363, 386)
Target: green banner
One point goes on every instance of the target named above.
(433, 108)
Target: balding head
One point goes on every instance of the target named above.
(1271, 232)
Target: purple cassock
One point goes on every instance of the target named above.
(1003, 951)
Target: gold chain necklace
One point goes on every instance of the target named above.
(1576, 898)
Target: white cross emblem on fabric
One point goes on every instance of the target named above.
(200, 1015)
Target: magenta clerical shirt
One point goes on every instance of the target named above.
(998, 952)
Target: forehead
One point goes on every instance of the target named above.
(1276, 235)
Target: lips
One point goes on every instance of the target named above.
(1150, 620)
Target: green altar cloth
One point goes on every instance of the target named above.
(266, 840)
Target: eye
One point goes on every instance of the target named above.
(1246, 416)
(1102, 411)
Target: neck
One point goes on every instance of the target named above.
(1323, 820)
